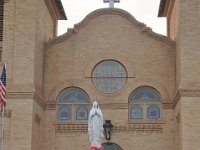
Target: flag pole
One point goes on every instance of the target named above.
(2, 126)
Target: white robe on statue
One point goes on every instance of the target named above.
(95, 125)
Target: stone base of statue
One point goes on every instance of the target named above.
(95, 148)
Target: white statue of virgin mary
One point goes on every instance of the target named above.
(95, 126)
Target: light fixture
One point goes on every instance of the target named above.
(108, 127)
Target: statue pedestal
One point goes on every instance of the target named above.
(95, 148)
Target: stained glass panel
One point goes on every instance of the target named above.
(109, 76)
(145, 93)
(73, 95)
(82, 113)
(136, 112)
(153, 112)
(64, 113)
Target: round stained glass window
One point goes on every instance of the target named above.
(109, 76)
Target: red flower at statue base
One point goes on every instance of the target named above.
(95, 148)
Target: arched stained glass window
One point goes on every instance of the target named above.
(144, 103)
(72, 105)
(136, 112)
(153, 112)
(109, 76)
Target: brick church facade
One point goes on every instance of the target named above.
(147, 84)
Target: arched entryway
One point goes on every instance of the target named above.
(111, 146)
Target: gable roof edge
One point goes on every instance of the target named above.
(115, 11)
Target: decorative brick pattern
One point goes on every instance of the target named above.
(1, 19)
(83, 128)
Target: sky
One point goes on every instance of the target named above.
(145, 11)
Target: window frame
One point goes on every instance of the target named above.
(73, 106)
(144, 104)
(117, 64)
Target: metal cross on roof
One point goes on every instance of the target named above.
(111, 2)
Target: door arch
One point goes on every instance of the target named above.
(111, 146)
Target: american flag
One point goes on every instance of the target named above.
(3, 87)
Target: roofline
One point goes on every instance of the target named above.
(161, 8)
(61, 10)
(165, 8)
(56, 9)
(112, 11)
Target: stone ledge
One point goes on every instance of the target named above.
(27, 95)
(185, 93)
